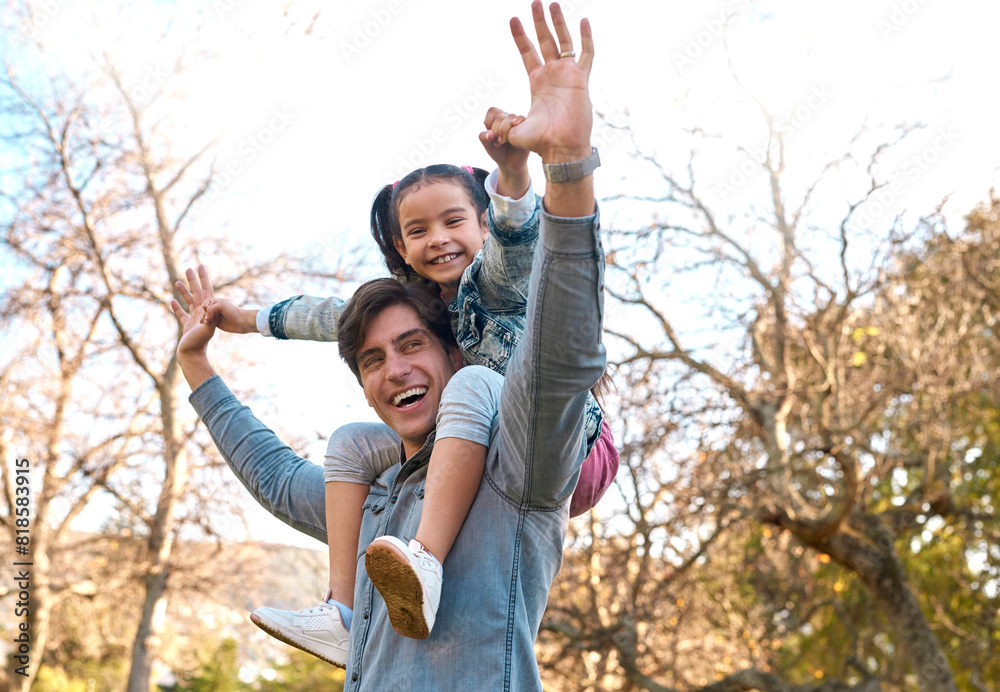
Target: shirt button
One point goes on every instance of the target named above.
(354, 677)
(392, 499)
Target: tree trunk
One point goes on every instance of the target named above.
(160, 538)
(876, 563)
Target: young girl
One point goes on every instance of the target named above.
(436, 224)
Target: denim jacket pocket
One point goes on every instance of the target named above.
(413, 509)
(375, 504)
(488, 341)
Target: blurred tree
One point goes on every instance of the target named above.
(96, 197)
(303, 673)
(809, 448)
(219, 672)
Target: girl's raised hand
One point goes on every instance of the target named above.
(512, 162)
(229, 317)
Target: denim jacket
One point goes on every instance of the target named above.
(487, 312)
(501, 567)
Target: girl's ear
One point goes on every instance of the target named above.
(400, 248)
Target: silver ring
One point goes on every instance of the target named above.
(568, 54)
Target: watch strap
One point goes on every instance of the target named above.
(571, 170)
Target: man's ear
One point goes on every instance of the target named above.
(400, 248)
(484, 223)
(455, 354)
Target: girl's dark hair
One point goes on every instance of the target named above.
(384, 219)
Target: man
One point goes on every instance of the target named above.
(502, 564)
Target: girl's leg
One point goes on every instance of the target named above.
(453, 476)
(323, 630)
(343, 522)
(409, 576)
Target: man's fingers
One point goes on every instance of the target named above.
(177, 309)
(562, 31)
(206, 283)
(184, 293)
(546, 41)
(586, 60)
(194, 285)
(524, 46)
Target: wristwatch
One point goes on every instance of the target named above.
(572, 170)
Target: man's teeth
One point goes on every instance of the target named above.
(443, 259)
(416, 391)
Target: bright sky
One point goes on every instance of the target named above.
(315, 121)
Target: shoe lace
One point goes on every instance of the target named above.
(323, 606)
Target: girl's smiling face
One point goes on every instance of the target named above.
(441, 233)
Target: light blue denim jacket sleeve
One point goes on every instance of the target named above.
(560, 357)
(503, 276)
(286, 485)
(306, 317)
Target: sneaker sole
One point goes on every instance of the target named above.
(282, 637)
(399, 585)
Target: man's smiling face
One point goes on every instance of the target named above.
(404, 368)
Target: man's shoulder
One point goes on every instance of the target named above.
(478, 379)
(362, 439)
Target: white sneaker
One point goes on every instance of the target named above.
(409, 579)
(319, 631)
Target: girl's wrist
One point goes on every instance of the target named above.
(249, 321)
(513, 184)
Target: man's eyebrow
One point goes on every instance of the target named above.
(367, 352)
(450, 210)
(412, 332)
(400, 338)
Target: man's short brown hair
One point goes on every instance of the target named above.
(374, 297)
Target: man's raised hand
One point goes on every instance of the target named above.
(560, 119)
(196, 329)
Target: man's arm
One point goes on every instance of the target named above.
(286, 485)
(289, 487)
(560, 356)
